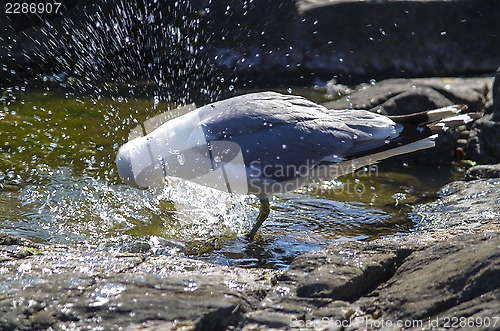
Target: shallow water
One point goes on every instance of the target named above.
(64, 146)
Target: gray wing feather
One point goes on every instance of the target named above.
(276, 130)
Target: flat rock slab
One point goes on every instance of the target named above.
(471, 203)
(47, 286)
(420, 278)
(483, 171)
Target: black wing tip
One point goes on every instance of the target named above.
(454, 122)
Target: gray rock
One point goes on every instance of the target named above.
(97, 41)
(433, 280)
(341, 275)
(472, 203)
(483, 145)
(483, 171)
(484, 142)
(10, 181)
(496, 97)
(406, 96)
(93, 289)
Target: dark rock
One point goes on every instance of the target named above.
(483, 171)
(406, 96)
(433, 280)
(260, 320)
(399, 38)
(484, 142)
(10, 181)
(96, 289)
(496, 97)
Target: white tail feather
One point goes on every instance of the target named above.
(343, 168)
(441, 113)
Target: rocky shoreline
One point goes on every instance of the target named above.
(445, 274)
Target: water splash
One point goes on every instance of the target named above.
(123, 46)
(73, 209)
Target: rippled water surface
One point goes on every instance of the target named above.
(64, 147)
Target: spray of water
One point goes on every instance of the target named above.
(129, 47)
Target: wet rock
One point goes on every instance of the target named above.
(484, 143)
(341, 275)
(449, 268)
(122, 41)
(398, 38)
(90, 289)
(10, 181)
(406, 96)
(431, 281)
(425, 276)
(472, 203)
(483, 171)
(496, 97)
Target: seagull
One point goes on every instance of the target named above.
(267, 143)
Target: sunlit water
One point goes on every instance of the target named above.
(64, 147)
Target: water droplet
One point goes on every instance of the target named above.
(231, 87)
(191, 286)
(181, 159)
